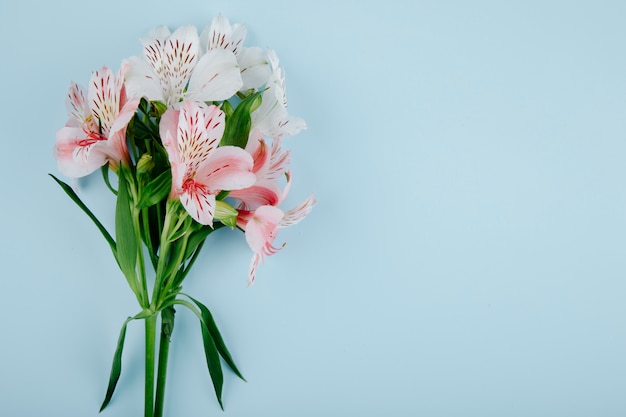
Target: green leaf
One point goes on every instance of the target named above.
(68, 190)
(213, 363)
(238, 125)
(211, 353)
(156, 190)
(195, 239)
(176, 248)
(124, 228)
(222, 195)
(116, 368)
(215, 335)
(107, 181)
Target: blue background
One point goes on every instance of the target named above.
(466, 256)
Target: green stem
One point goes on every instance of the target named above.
(134, 194)
(150, 348)
(163, 255)
(169, 284)
(167, 326)
(145, 216)
(140, 260)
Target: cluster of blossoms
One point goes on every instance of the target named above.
(193, 129)
(203, 113)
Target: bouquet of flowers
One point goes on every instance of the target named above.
(193, 131)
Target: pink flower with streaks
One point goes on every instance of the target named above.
(96, 130)
(173, 69)
(201, 169)
(261, 227)
(258, 214)
(270, 164)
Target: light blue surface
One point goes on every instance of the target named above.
(466, 257)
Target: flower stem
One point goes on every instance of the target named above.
(167, 326)
(150, 348)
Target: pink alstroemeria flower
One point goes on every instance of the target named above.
(261, 228)
(269, 166)
(174, 68)
(96, 130)
(201, 169)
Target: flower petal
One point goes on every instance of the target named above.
(298, 213)
(103, 99)
(180, 54)
(257, 147)
(117, 134)
(153, 46)
(262, 227)
(75, 155)
(279, 161)
(200, 129)
(216, 77)
(199, 203)
(168, 127)
(221, 35)
(156, 68)
(255, 68)
(77, 106)
(272, 117)
(227, 168)
(141, 80)
(257, 258)
(260, 194)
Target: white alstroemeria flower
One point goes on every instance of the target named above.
(253, 61)
(173, 69)
(272, 118)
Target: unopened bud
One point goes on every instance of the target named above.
(226, 214)
(145, 164)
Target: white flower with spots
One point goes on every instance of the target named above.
(173, 68)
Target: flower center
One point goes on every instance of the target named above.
(92, 137)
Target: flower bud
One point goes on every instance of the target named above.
(226, 214)
(145, 165)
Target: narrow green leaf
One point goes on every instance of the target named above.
(176, 248)
(124, 227)
(211, 353)
(195, 239)
(154, 226)
(156, 190)
(116, 368)
(213, 363)
(68, 190)
(222, 195)
(238, 124)
(213, 331)
(182, 273)
(107, 181)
